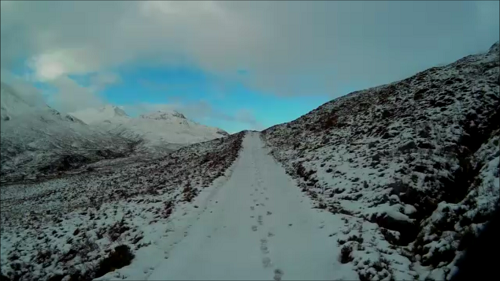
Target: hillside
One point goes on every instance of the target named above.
(415, 164)
(38, 141)
(77, 225)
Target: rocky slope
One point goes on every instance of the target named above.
(414, 163)
(83, 226)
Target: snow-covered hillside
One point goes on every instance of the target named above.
(37, 140)
(157, 128)
(88, 224)
(416, 160)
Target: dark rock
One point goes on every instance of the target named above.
(408, 231)
(425, 145)
(388, 135)
(389, 237)
(420, 169)
(57, 277)
(387, 113)
(419, 94)
(408, 146)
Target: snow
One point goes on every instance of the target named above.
(68, 225)
(385, 185)
(39, 142)
(256, 226)
(92, 115)
(157, 128)
(35, 136)
(418, 158)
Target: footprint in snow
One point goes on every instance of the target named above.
(259, 219)
(270, 234)
(252, 208)
(269, 213)
(263, 246)
(254, 227)
(266, 262)
(278, 273)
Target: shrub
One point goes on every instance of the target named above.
(345, 254)
(118, 258)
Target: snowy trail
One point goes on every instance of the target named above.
(257, 226)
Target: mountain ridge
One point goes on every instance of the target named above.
(162, 126)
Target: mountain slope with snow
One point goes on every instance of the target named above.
(74, 226)
(38, 140)
(157, 128)
(103, 114)
(418, 159)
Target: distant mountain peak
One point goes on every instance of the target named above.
(113, 110)
(108, 112)
(163, 115)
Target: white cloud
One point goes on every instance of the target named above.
(50, 66)
(287, 47)
(72, 97)
(100, 80)
(24, 89)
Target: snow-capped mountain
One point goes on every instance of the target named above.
(103, 114)
(36, 139)
(415, 164)
(157, 128)
(163, 115)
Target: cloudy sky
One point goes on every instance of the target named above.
(235, 65)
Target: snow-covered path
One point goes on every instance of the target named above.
(257, 226)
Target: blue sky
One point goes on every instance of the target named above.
(234, 65)
(190, 87)
(162, 85)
